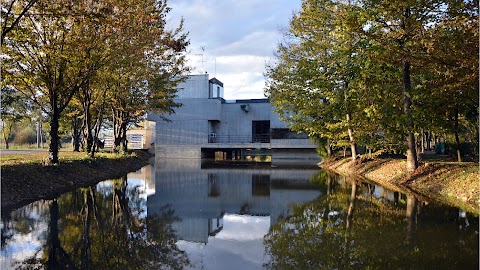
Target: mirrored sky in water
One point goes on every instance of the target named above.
(238, 246)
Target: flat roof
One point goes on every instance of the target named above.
(258, 100)
(216, 81)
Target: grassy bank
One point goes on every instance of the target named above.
(25, 178)
(453, 183)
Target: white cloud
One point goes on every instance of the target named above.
(260, 43)
(240, 36)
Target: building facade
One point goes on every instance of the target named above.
(206, 123)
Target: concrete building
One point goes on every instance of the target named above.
(207, 124)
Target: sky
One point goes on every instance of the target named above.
(238, 36)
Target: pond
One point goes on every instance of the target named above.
(188, 214)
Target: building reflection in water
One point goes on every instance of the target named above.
(201, 197)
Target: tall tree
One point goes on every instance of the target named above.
(147, 66)
(316, 80)
(452, 54)
(399, 29)
(49, 60)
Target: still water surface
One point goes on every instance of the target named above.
(189, 215)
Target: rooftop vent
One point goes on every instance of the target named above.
(244, 107)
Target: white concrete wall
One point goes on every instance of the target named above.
(196, 86)
(214, 91)
(192, 123)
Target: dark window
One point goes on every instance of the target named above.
(261, 131)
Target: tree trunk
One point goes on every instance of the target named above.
(428, 139)
(88, 126)
(412, 161)
(422, 143)
(7, 131)
(39, 134)
(329, 149)
(457, 138)
(97, 127)
(353, 145)
(42, 141)
(5, 138)
(124, 138)
(120, 131)
(54, 139)
(76, 134)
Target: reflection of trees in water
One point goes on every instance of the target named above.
(107, 230)
(348, 228)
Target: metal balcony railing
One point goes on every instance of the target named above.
(258, 138)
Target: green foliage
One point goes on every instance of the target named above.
(374, 72)
(116, 55)
(25, 135)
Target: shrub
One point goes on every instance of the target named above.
(25, 135)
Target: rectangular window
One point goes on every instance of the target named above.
(261, 131)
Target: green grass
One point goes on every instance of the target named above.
(64, 156)
(12, 146)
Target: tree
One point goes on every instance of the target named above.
(452, 54)
(50, 61)
(12, 11)
(13, 108)
(147, 66)
(316, 81)
(399, 28)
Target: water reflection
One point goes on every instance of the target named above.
(201, 197)
(186, 215)
(102, 227)
(362, 226)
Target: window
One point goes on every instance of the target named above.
(261, 131)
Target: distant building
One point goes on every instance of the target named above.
(141, 137)
(207, 124)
